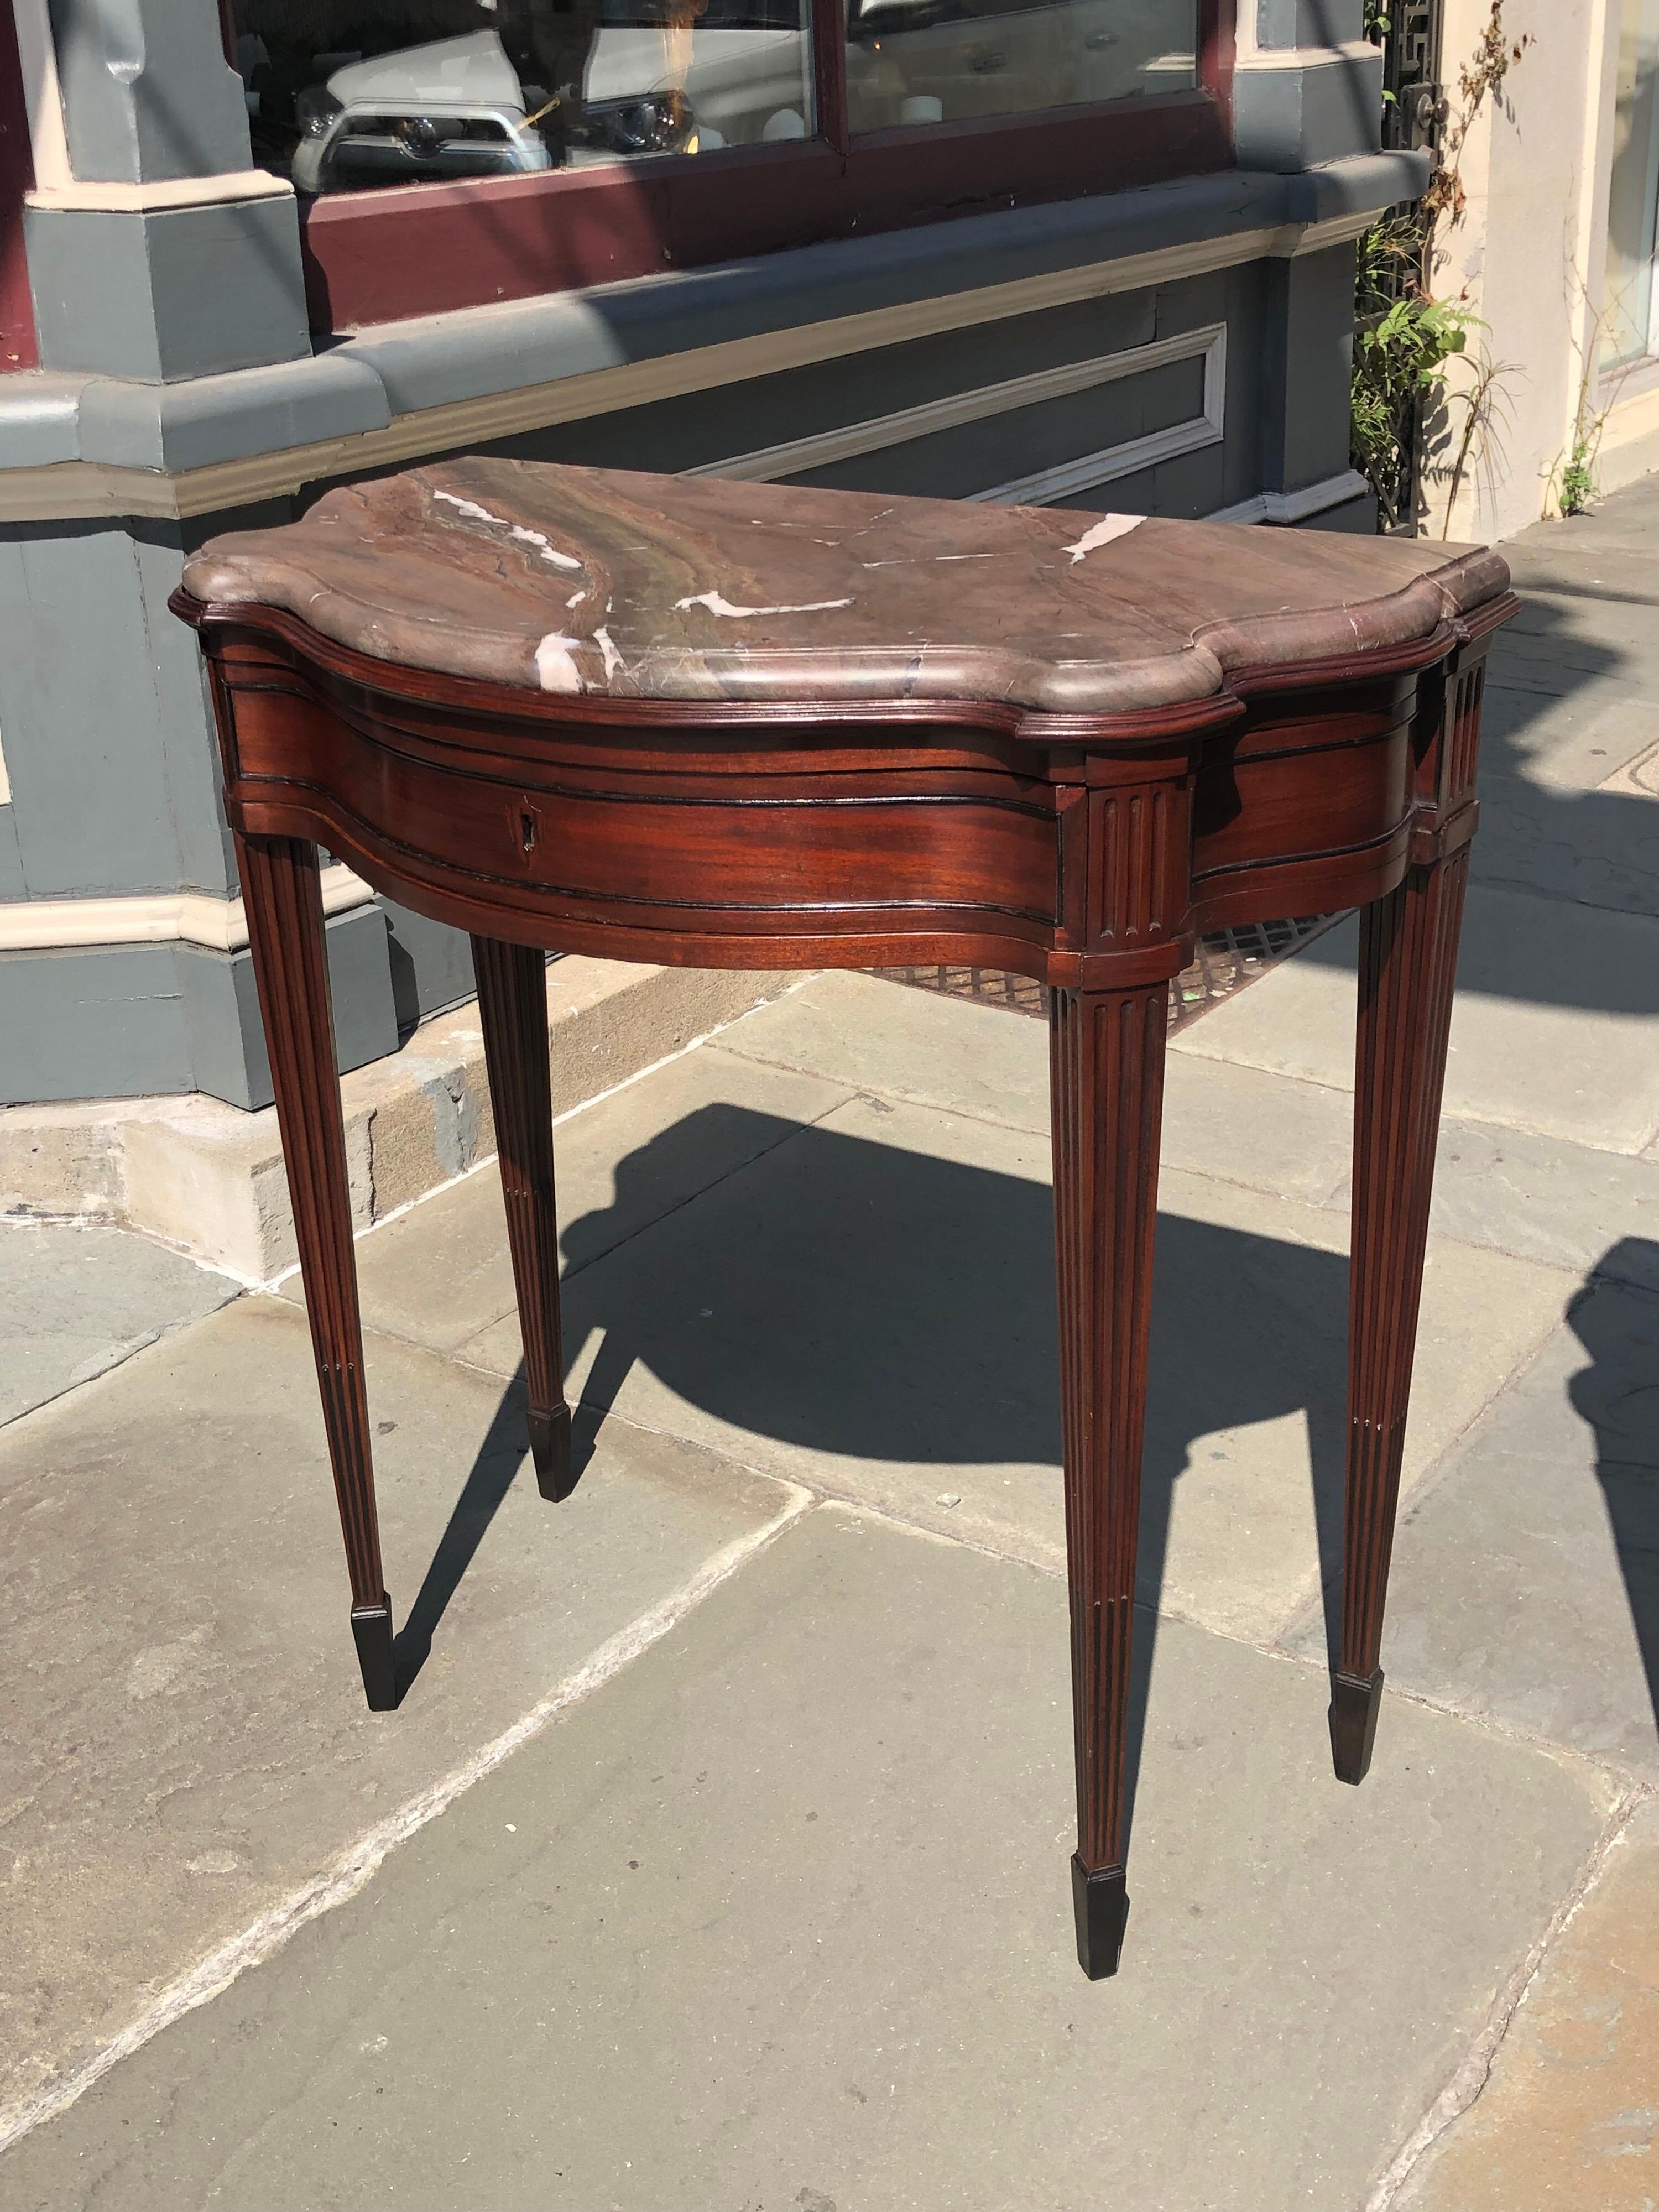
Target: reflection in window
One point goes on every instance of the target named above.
(346, 94)
(950, 61)
(1633, 194)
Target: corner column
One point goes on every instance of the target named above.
(160, 191)
(1307, 84)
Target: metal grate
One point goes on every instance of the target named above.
(1409, 32)
(1224, 963)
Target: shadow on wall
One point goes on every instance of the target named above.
(1332, 26)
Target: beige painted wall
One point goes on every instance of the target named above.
(1526, 257)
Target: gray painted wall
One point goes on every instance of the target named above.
(700, 429)
(170, 294)
(176, 338)
(1306, 368)
(12, 885)
(1309, 22)
(1309, 111)
(1291, 119)
(160, 293)
(107, 732)
(130, 1020)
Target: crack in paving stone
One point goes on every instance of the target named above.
(1471, 2077)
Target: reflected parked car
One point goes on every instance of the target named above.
(951, 61)
(451, 109)
(456, 107)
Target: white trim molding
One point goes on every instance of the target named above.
(170, 193)
(1287, 509)
(199, 917)
(65, 489)
(877, 433)
(1345, 53)
(1208, 428)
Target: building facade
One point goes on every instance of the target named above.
(1094, 254)
(1548, 241)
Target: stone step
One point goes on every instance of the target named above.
(207, 1178)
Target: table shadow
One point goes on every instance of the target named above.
(850, 1297)
(499, 1457)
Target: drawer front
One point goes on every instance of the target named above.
(740, 849)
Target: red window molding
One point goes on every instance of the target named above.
(376, 256)
(17, 346)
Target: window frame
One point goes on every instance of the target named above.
(18, 347)
(513, 238)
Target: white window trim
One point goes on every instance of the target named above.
(877, 434)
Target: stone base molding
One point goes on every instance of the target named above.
(209, 1178)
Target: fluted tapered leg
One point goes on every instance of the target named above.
(1408, 964)
(513, 1005)
(1107, 1070)
(282, 897)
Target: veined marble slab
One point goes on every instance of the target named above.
(595, 581)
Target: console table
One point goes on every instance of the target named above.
(765, 726)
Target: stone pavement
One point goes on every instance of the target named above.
(717, 1857)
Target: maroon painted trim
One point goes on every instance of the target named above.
(933, 170)
(1215, 48)
(829, 20)
(17, 344)
(428, 249)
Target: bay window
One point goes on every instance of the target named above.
(452, 152)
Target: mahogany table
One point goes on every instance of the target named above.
(753, 726)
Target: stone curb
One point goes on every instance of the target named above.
(208, 1177)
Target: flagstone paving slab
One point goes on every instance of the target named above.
(441, 1272)
(1572, 742)
(76, 1299)
(184, 1737)
(976, 1060)
(1567, 1206)
(1552, 1027)
(868, 1308)
(1239, 1125)
(1600, 847)
(907, 1044)
(781, 1916)
(1525, 1582)
(1540, 1198)
(1569, 2121)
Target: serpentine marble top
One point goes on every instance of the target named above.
(592, 581)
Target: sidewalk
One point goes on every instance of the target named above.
(717, 1857)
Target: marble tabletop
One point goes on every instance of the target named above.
(593, 581)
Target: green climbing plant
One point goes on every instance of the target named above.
(1403, 341)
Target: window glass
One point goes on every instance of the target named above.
(952, 61)
(347, 94)
(1635, 186)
